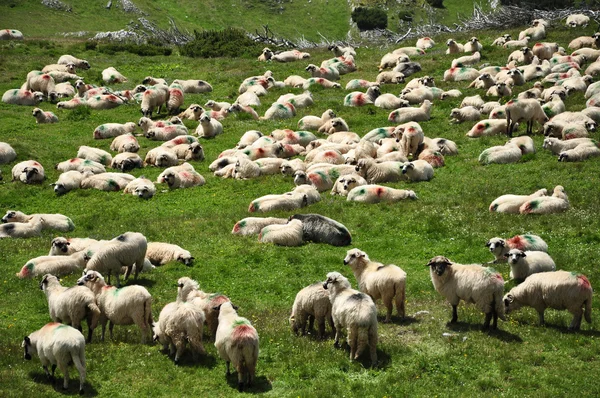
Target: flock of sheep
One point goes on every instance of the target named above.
(343, 163)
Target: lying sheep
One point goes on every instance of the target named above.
(28, 172)
(253, 225)
(579, 153)
(42, 117)
(512, 203)
(161, 157)
(500, 247)
(576, 20)
(94, 154)
(466, 60)
(315, 122)
(58, 345)
(120, 306)
(380, 172)
(22, 97)
(193, 86)
(344, 184)
(186, 152)
(468, 113)
(556, 146)
(319, 229)
(69, 59)
(289, 234)
(418, 170)
(311, 303)
(7, 153)
(387, 282)
(334, 125)
(22, 230)
(488, 127)
(110, 130)
(127, 161)
(141, 187)
(558, 290)
(236, 341)
(63, 247)
(278, 202)
(558, 202)
(499, 90)
(55, 265)
(57, 222)
(183, 176)
(425, 43)
(501, 154)
(417, 95)
(71, 305)
(354, 312)
(454, 47)
(544, 50)
(403, 115)
(379, 193)
(279, 111)
(67, 182)
(525, 263)
(463, 73)
(360, 99)
(482, 286)
(329, 73)
(81, 165)
(473, 45)
(125, 143)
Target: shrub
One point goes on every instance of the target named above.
(406, 15)
(79, 114)
(139, 49)
(369, 18)
(230, 42)
(436, 3)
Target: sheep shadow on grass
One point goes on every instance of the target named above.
(57, 383)
(260, 384)
(142, 281)
(564, 328)
(383, 359)
(187, 360)
(497, 333)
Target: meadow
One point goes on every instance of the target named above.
(421, 355)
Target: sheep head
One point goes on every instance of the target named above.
(510, 304)
(336, 280)
(439, 264)
(515, 255)
(354, 256)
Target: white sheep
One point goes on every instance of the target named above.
(576, 20)
(125, 143)
(466, 60)
(278, 202)
(7, 153)
(141, 187)
(69, 59)
(253, 225)
(111, 75)
(525, 263)
(67, 182)
(357, 98)
(279, 111)
(378, 193)
(454, 93)
(55, 265)
(110, 130)
(126, 161)
(167, 133)
(345, 183)
(482, 286)
(386, 77)
(511, 203)
(556, 146)
(488, 127)
(500, 247)
(28, 172)
(194, 86)
(425, 43)
(329, 73)
(403, 115)
(556, 203)
(418, 170)
(544, 50)
(153, 98)
(458, 73)
(354, 312)
(81, 165)
(289, 234)
(558, 290)
(468, 113)
(524, 42)
(72, 103)
(57, 222)
(269, 166)
(22, 230)
(182, 176)
(11, 34)
(334, 125)
(22, 97)
(161, 157)
(94, 154)
(534, 33)
(208, 302)
(528, 110)
(454, 47)
(120, 306)
(58, 345)
(311, 303)
(417, 95)
(126, 250)
(39, 81)
(294, 81)
(579, 153)
(236, 341)
(501, 40)
(502, 154)
(71, 305)
(193, 151)
(42, 117)
(387, 282)
(63, 247)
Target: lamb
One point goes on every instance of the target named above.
(125, 143)
(311, 303)
(528, 110)
(279, 111)
(378, 193)
(141, 187)
(81, 165)
(558, 290)
(161, 157)
(418, 170)
(126, 250)
(356, 313)
(456, 74)
(525, 263)
(387, 282)
(71, 305)
(127, 161)
(55, 265)
(500, 247)
(28, 172)
(57, 222)
(7, 153)
(454, 47)
(22, 97)
(120, 306)
(182, 176)
(58, 345)
(42, 117)
(334, 125)
(319, 229)
(468, 113)
(482, 286)
(110, 130)
(357, 98)
(466, 60)
(194, 86)
(502, 154)
(403, 115)
(69, 59)
(512, 203)
(67, 182)
(388, 77)
(556, 203)
(329, 73)
(576, 20)
(289, 234)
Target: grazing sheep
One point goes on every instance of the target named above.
(125, 143)
(57, 222)
(525, 263)
(55, 265)
(194, 86)
(502, 154)
(311, 303)
(7, 153)
(560, 290)
(403, 115)
(500, 247)
(28, 172)
(111, 75)
(556, 203)
(110, 130)
(528, 110)
(482, 286)
(387, 282)
(176, 99)
(236, 341)
(42, 117)
(576, 20)
(356, 313)
(71, 305)
(512, 203)
(22, 97)
(289, 234)
(418, 170)
(319, 229)
(126, 250)
(357, 98)
(378, 193)
(120, 306)
(141, 187)
(58, 345)
(468, 113)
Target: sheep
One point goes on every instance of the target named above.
(388, 77)
(320, 82)
(111, 75)
(334, 125)
(357, 98)
(70, 68)
(288, 201)
(153, 98)
(517, 43)
(126, 161)
(125, 143)
(558, 290)
(425, 43)
(193, 112)
(344, 184)
(576, 20)
(22, 230)
(161, 157)
(94, 154)
(311, 303)
(253, 225)
(390, 60)
(501, 154)
(468, 113)
(534, 92)
(378, 193)
(380, 172)
(525, 263)
(387, 282)
(110, 130)
(329, 73)
(406, 68)
(454, 47)
(56, 222)
(544, 50)
(39, 81)
(522, 56)
(193, 151)
(141, 187)
(556, 146)
(194, 86)
(71, 305)
(354, 311)
(445, 146)
(501, 40)
(454, 93)
(534, 33)
(81, 165)
(556, 203)
(56, 265)
(67, 182)
(466, 60)
(168, 132)
(528, 110)
(126, 250)
(418, 170)
(22, 97)
(42, 117)
(289, 167)
(7, 153)
(475, 101)
(403, 115)
(299, 101)
(456, 74)
(289, 234)
(149, 80)
(339, 50)
(182, 176)
(69, 59)
(417, 95)
(579, 153)
(72, 103)
(266, 54)
(482, 286)
(120, 306)
(409, 51)
(500, 247)
(58, 345)
(28, 172)
(63, 247)
(279, 111)
(319, 229)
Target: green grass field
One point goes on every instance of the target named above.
(450, 218)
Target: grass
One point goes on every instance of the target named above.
(450, 218)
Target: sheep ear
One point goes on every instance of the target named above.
(488, 244)
(523, 254)
(27, 340)
(217, 308)
(235, 307)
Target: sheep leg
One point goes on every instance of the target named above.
(541, 314)
(336, 342)
(530, 127)
(373, 347)
(495, 319)
(241, 375)
(64, 368)
(576, 322)
(311, 324)
(454, 314)
(180, 347)
(321, 326)
(331, 324)
(103, 330)
(400, 304)
(352, 341)
(486, 323)
(48, 373)
(110, 328)
(228, 370)
(387, 301)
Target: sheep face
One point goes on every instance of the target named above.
(9, 216)
(354, 255)
(349, 183)
(510, 304)
(90, 277)
(60, 189)
(30, 173)
(45, 280)
(143, 192)
(495, 245)
(61, 244)
(439, 264)
(26, 345)
(514, 256)
(300, 178)
(407, 167)
(335, 280)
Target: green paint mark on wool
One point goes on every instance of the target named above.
(529, 238)
(242, 224)
(334, 174)
(534, 204)
(59, 327)
(29, 266)
(70, 224)
(240, 322)
(348, 100)
(113, 185)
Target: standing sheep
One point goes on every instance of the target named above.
(525, 263)
(499, 247)
(528, 110)
(311, 303)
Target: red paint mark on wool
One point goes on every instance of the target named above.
(46, 77)
(170, 129)
(111, 97)
(236, 227)
(27, 93)
(73, 160)
(185, 174)
(242, 332)
(360, 99)
(379, 191)
(36, 164)
(516, 242)
(584, 282)
(480, 127)
(330, 154)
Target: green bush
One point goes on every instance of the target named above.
(369, 18)
(229, 42)
(406, 15)
(143, 50)
(436, 3)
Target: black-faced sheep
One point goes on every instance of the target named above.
(319, 229)
(28, 172)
